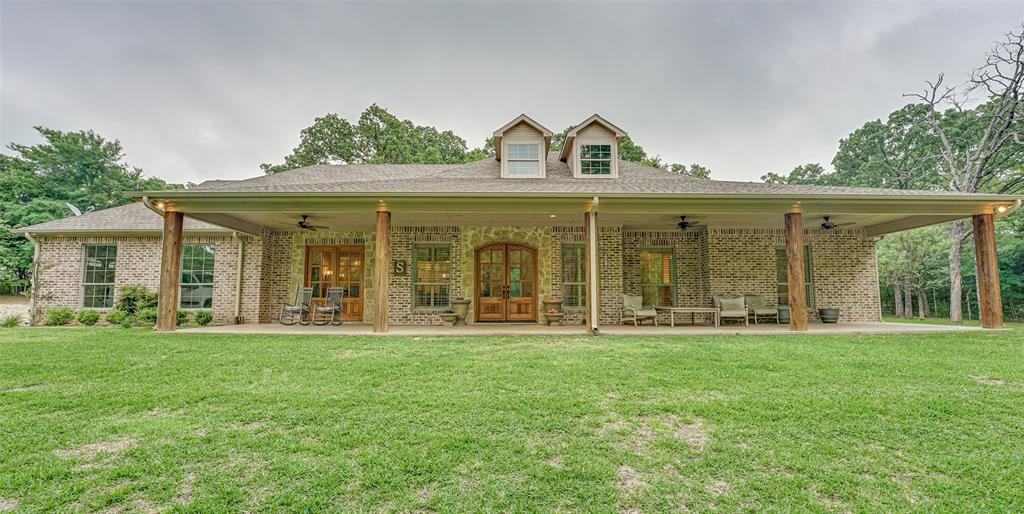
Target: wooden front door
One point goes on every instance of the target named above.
(337, 266)
(506, 283)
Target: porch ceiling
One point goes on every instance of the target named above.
(877, 215)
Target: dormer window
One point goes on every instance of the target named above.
(591, 149)
(523, 159)
(522, 147)
(595, 159)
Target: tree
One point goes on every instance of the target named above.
(378, 137)
(980, 149)
(805, 174)
(896, 154)
(81, 168)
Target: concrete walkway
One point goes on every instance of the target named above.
(535, 329)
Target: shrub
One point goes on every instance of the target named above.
(116, 316)
(12, 321)
(180, 317)
(203, 318)
(134, 298)
(88, 317)
(59, 316)
(147, 315)
(127, 321)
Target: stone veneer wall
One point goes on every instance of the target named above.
(473, 238)
(62, 260)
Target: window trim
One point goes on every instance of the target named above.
(808, 276)
(671, 270)
(415, 276)
(85, 271)
(181, 271)
(610, 160)
(582, 284)
(508, 159)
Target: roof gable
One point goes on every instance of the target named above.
(595, 119)
(522, 118)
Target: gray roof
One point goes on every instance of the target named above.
(133, 217)
(484, 176)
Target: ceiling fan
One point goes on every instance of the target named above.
(683, 224)
(305, 225)
(828, 225)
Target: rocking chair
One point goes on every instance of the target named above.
(297, 312)
(332, 306)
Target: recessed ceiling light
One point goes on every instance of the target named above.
(551, 216)
(1002, 208)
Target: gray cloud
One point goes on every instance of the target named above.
(200, 90)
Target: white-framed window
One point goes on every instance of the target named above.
(431, 276)
(196, 290)
(522, 159)
(595, 159)
(98, 278)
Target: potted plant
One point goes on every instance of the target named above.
(552, 303)
(783, 314)
(829, 315)
(449, 318)
(461, 308)
(554, 317)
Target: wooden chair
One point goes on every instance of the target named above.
(298, 312)
(332, 306)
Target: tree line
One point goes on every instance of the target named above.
(966, 138)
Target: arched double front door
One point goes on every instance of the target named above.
(506, 283)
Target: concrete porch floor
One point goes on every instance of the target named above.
(535, 329)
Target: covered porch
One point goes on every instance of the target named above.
(604, 225)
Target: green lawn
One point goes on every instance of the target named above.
(112, 419)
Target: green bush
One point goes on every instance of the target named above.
(147, 315)
(134, 298)
(180, 317)
(12, 321)
(203, 318)
(88, 317)
(59, 316)
(116, 316)
(127, 321)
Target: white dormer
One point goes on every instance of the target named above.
(522, 148)
(591, 149)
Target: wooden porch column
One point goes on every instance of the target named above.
(170, 259)
(989, 298)
(591, 267)
(381, 268)
(795, 270)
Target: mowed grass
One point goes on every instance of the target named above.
(112, 419)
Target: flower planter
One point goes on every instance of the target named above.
(552, 304)
(554, 320)
(449, 318)
(461, 309)
(829, 315)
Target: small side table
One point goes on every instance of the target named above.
(692, 311)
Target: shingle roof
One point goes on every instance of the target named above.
(484, 176)
(133, 217)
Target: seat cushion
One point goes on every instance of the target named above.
(767, 311)
(733, 304)
(733, 314)
(646, 312)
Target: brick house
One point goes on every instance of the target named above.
(504, 233)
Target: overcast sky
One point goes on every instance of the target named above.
(200, 90)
